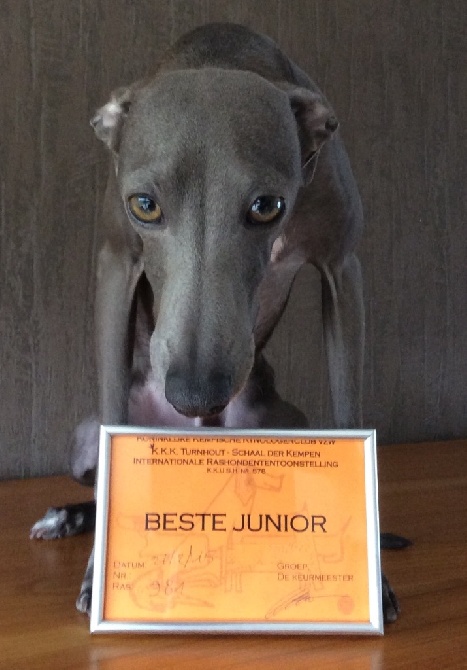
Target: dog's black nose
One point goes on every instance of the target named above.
(197, 395)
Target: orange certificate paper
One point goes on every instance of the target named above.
(237, 531)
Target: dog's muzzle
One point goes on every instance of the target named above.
(198, 396)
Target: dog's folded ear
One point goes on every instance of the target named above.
(316, 123)
(108, 120)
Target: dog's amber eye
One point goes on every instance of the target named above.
(266, 209)
(144, 208)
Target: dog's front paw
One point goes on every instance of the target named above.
(391, 609)
(84, 600)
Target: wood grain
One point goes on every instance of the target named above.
(396, 73)
(423, 489)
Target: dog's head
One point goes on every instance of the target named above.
(209, 163)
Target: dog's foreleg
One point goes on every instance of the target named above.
(344, 338)
(391, 608)
(83, 602)
(273, 294)
(344, 335)
(117, 276)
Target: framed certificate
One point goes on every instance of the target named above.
(237, 531)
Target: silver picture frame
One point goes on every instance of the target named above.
(374, 624)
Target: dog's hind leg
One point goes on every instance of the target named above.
(78, 518)
(65, 521)
(344, 338)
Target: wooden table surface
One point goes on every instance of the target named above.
(423, 495)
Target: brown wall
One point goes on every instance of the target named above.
(395, 71)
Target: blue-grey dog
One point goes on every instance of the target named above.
(228, 174)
